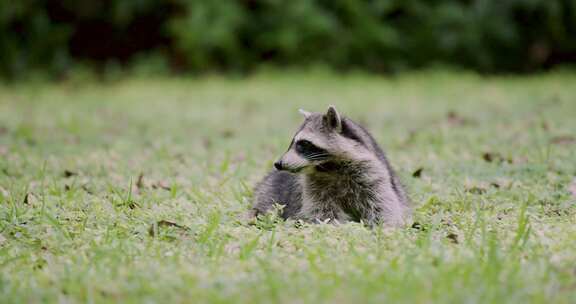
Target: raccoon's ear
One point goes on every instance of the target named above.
(305, 113)
(333, 120)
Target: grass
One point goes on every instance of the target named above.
(131, 192)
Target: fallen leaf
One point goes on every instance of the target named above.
(476, 190)
(133, 205)
(418, 226)
(163, 223)
(563, 140)
(68, 173)
(85, 188)
(418, 173)
(228, 133)
(140, 181)
(455, 119)
(489, 157)
(453, 237)
(495, 157)
(161, 185)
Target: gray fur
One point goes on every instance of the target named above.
(348, 179)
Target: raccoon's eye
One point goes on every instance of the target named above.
(303, 146)
(306, 148)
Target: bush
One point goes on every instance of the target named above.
(30, 40)
(200, 35)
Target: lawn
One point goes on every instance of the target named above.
(133, 191)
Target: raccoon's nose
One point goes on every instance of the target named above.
(278, 165)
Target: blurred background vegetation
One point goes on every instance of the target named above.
(58, 37)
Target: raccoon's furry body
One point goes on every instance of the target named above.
(334, 170)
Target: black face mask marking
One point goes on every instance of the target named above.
(309, 151)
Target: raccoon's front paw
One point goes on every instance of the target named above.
(326, 221)
(249, 217)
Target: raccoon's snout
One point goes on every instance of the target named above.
(278, 165)
(281, 166)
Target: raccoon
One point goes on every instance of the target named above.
(334, 171)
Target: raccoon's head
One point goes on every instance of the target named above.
(323, 141)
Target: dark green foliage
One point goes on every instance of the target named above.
(199, 35)
(30, 40)
(51, 35)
